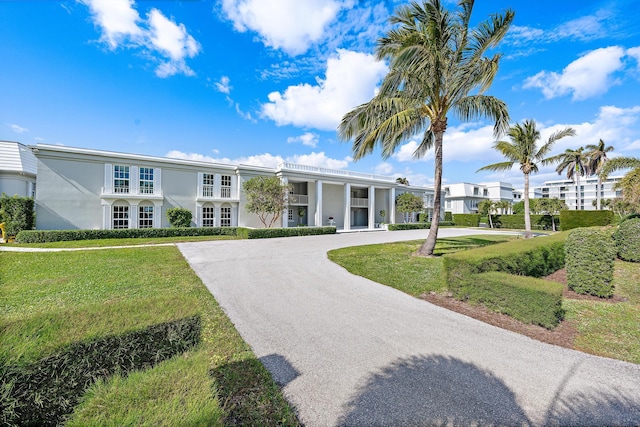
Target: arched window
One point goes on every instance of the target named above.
(120, 215)
(145, 215)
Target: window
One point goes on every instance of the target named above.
(290, 214)
(120, 217)
(475, 191)
(225, 186)
(146, 180)
(208, 216)
(207, 184)
(121, 179)
(225, 217)
(485, 192)
(145, 217)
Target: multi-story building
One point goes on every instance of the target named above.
(464, 197)
(91, 189)
(17, 170)
(567, 191)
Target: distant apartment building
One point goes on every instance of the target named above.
(18, 168)
(464, 197)
(567, 191)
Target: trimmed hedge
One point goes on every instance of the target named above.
(627, 238)
(527, 299)
(43, 393)
(267, 233)
(516, 221)
(17, 214)
(45, 236)
(416, 226)
(448, 216)
(590, 254)
(467, 220)
(179, 217)
(575, 219)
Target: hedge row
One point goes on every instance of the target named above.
(590, 254)
(467, 220)
(43, 393)
(17, 214)
(535, 257)
(44, 236)
(416, 225)
(627, 238)
(267, 233)
(576, 219)
(516, 221)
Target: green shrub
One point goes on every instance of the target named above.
(448, 216)
(527, 299)
(43, 393)
(575, 219)
(416, 226)
(536, 257)
(590, 254)
(627, 238)
(16, 213)
(467, 220)
(267, 233)
(179, 217)
(516, 221)
(45, 236)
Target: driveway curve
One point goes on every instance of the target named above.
(349, 351)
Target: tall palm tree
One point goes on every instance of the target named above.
(576, 164)
(597, 154)
(630, 183)
(435, 64)
(524, 151)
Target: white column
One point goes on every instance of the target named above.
(106, 216)
(216, 213)
(392, 206)
(285, 213)
(347, 207)
(134, 214)
(108, 179)
(198, 218)
(234, 215)
(372, 206)
(318, 217)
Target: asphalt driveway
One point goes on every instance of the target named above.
(349, 351)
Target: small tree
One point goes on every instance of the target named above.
(407, 203)
(487, 207)
(383, 213)
(179, 217)
(551, 207)
(267, 198)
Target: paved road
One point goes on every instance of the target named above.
(348, 351)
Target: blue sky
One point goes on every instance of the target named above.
(265, 81)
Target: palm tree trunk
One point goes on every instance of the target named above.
(578, 191)
(598, 193)
(429, 245)
(527, 214)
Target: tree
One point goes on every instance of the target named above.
(551, 207)
(576, 164)
(408, 203)
(179, 217)
(518, 207)
(267, 198)
(597, 155)
(628, 184)
(403, 181)
(504, 206)
(487, 207)
(437, 66)
(523, 150)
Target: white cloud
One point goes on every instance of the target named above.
(290, 25)
(384, 168)
(351, 79)
(309, 139)
(18, 129)
(586, 77)
(166, 42)
(224, 85)
(268, 160)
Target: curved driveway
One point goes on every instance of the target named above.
(349, 351)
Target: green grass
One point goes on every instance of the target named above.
(411, 274)
(50, 300)
(101, 243)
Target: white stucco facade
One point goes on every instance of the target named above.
(567, 191)
(464, 197)
(18, 168)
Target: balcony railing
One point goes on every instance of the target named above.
(225, 192)
(298, 199)
(357, 202)
(210, 191)
(339, 172)
(128, 192)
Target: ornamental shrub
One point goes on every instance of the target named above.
(627, 238)
(17, 214)
(448, 216)
(590, 254)
(45, 236)
(574, 219)
(179, 217)
(416, 226)
(466, 220)
(267, 233)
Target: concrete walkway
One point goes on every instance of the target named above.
(348, 351)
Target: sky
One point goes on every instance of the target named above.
(267, 81)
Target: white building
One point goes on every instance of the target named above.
(91, 189)
(567, 191)
(17, 170)
(464, 197)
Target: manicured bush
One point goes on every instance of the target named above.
(416, 226)
(516, 221)
(16, 213)
(574, 219)
(44, 236)
(448, 216)
(467, 220)
(590, 254)
(527, 299)
(44, 392)
(627, 238)
(267, 233)
(536, 257)
(179, 217)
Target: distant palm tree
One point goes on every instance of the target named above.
(597, 154)
(523, 150)
(630, 182)
(403, 181)
(437, 66)
(576, 164)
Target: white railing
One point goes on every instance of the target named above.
(208, 190)
(225, 192)
(298, 199)
(359, 202)
(130, 192)
(338, 172)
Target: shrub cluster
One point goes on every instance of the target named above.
(267, 233)
(17, 214)
(179, 217)
(467, 220)
(44, 236)
(44, 392)
(516, 221)
(575, 219)
(416, 225)
(627, 238)
(448, 216)
(590, 254)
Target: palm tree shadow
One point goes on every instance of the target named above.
(434, 391)
(595, 409)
